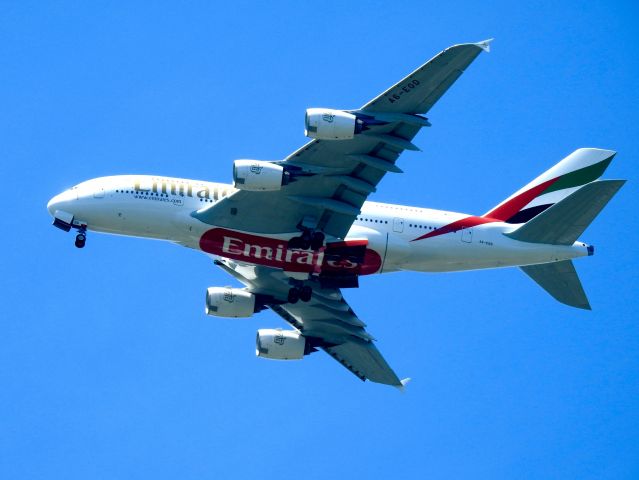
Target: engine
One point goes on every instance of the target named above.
(327, 124)
(256, 175)
(229, 302)
(278, 344)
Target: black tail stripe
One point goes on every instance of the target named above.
(526, 214)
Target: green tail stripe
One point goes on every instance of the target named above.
(580, 177)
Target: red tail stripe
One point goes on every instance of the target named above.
(512, 206)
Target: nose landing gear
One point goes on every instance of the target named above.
(81, 237)
(80, 240)
(65, 221)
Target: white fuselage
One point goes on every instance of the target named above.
(161, 207)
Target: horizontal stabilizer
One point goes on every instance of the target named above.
(565, 221)
(560, 280)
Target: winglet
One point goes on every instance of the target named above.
(403, 383)
(485, 44)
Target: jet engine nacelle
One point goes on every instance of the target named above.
(256, 175)
(229, 302)
(327, 124)
(278, 344)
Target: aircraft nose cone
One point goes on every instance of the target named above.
(61, 201)
(52, 206)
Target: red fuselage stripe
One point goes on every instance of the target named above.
(499, 214)
(467, 222)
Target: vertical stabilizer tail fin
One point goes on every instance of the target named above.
(560, 280)
(576, 170)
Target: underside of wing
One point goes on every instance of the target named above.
(335, 179)
(331, 179)
(365, 361)
(419, 91)
(326, 321)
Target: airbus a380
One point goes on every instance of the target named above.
(296, 232)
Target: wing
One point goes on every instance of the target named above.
(430, 81)
(337, 176)
(327, 321)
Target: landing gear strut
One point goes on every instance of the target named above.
(81, 237)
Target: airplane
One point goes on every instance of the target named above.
(298, 231)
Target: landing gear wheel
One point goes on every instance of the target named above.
(305, 293)
(80, 240)
(295, 243)
(305, 243)
(317, 241)
(308, 240)
(293, 295)
(305, 240)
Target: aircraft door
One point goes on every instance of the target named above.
(398, 225)
(467, 235)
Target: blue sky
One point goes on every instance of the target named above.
(109, 367)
